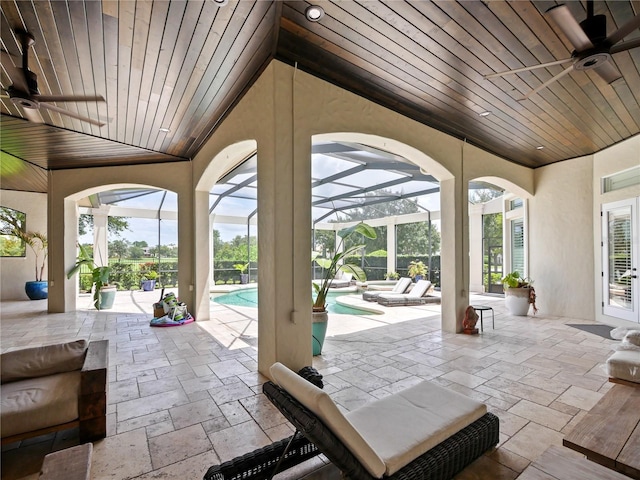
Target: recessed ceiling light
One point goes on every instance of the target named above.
(486, 113)
(220, 3)
(314, 13)
(164, 129)
(539, 148)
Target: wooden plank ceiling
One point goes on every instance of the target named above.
(181, 65)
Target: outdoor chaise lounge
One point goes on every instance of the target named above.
(417, 296)
(423, 432)
(401, 286)
(342, 280)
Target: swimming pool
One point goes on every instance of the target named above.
(249, 298)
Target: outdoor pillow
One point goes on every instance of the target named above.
(42, 361)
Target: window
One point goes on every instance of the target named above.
(515, 203)
(12, 221)
(617, 181)
(517, 246)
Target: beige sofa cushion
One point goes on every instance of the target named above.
(40, 402)
(318, 402)
(405, 425)
(625, 365)
(41, 361)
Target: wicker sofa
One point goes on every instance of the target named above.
(54, 387)
(429, 431)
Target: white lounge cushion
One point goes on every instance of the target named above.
(40, 402)
(41, 361)
(625, 365)
(405, 425)
(633, 337)
(418, 291)
(318, 402)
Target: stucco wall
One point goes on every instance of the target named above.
(14, 272)
(561, 239)
(283, 111)
(67, 186)
(615, 159)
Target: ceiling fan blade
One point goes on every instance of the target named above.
(621, 47)
(69, 98)
(608, 72)
(624, 30)
(62, 111)
(547, 83)
(525, 69)
(566, 22)
(15, 74)
(32, 115)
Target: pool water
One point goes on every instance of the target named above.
(249, 298)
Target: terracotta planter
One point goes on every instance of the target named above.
(517, 300)
(319, 331)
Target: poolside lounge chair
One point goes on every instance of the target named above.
(342, 280)
(415, 297)
(423, 432)
(401, 286)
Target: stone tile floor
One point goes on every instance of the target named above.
(182, 399)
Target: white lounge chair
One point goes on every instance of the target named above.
(415, 297)
(342, 280)
(401, 286)
(425, 431)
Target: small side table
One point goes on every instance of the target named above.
(484, 308)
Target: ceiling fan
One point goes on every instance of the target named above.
(593, 48)
(24, 91)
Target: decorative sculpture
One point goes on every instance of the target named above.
(469, 321)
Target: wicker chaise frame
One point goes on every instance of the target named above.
(440, 463)
(263, 463)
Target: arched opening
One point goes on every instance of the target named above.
(130, 231)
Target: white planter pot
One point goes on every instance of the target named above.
(517, 300)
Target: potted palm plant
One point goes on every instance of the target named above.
(242, 268)
(103, 293)
(148, 281)
(331, 267)
(417, 270)
(519, 294)
(37, 289)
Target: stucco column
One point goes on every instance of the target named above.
(203, 238)
(476, 254)
(186, 244)
(100, 235)
(391, 246)
(284, 243)
(455, 253)
(62, 232)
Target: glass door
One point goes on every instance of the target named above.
(621, 290)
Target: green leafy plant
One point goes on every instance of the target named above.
(514, 280)
(332, 265)
(392, 276)
(150, 275)
(417, 267)
(99, 275)
(241, 267)
(38, 243)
